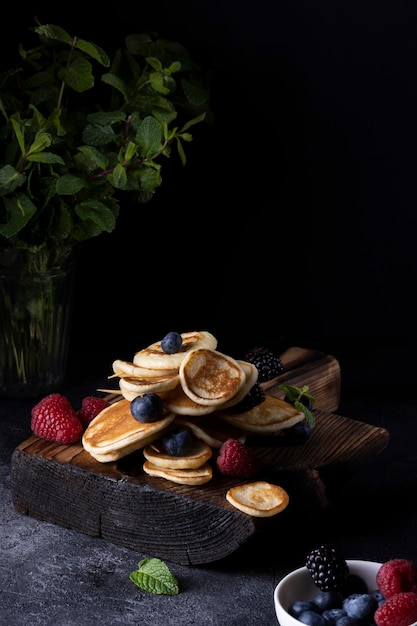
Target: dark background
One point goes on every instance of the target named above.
(294, 219)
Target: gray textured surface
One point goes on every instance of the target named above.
(51, 576)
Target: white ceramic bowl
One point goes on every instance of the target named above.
(298, 585)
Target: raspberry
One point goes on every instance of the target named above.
(91, 406)
(395, 576)
(54, 419)
(327, 568)
(268, 364)
(236, 459)
(255, 396)
(398, 610)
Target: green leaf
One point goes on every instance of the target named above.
(94, 51)
(98, 135)
(130, 151)
(155, 63)
(10, 179)
(41, 141)
(149, 137)
(19, 131)
(50, 31)
(162, 83)
(89, 159)
(98, 213)
(162, 109)
(310, 419)
(118, 178)
(20, 209)
(181, 152)
(68, 184)
(174, 67)
(117, 83)
(154, 576)
(295, 395)
(78, 75)
(149, 177)
(195, 120)
(45, 157)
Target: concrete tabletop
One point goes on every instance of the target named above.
(50, 575)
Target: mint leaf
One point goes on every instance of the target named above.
(295, 397)
(310, 419)
(154, 576)
(296, 393)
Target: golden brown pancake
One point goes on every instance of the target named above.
(178, 402)
(210, 377)
(271, 416)
(127, 368)
(199, 453)
(114, 433)
(198, 476)
(251, 379)
(155, 358)
(260, 499)
(211, 429)
(133, 387)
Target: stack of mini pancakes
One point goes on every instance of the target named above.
(199, 387)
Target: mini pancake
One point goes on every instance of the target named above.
(251, 379)
(269, 417)
(178, 402)
(210, 429)
(199, 453)
(127, 368)
(260, 499)
(155, 358)
(114, 433)
(198, 476)
(210, 377)
(132, 387)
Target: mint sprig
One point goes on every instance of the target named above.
(295, 396)
(154, 576)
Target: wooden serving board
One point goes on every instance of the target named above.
(117, 501)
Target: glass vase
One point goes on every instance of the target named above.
(36, 296)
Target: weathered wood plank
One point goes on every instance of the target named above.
(116, 501)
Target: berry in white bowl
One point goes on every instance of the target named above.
(299, 585)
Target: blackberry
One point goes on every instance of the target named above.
(327, 567)
(255, 396)
(268, 364)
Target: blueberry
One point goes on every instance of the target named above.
(361, 606)
(171, 343)
(312, 619)
(346, 620)
(296, 435)
(328, 600)
(378, 595)
(298, 606)
(147, 408)
(333, 615)
(177, 442)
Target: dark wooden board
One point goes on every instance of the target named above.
(116, 501)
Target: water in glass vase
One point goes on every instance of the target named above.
(35, 316)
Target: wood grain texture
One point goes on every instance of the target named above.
(116, 501)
